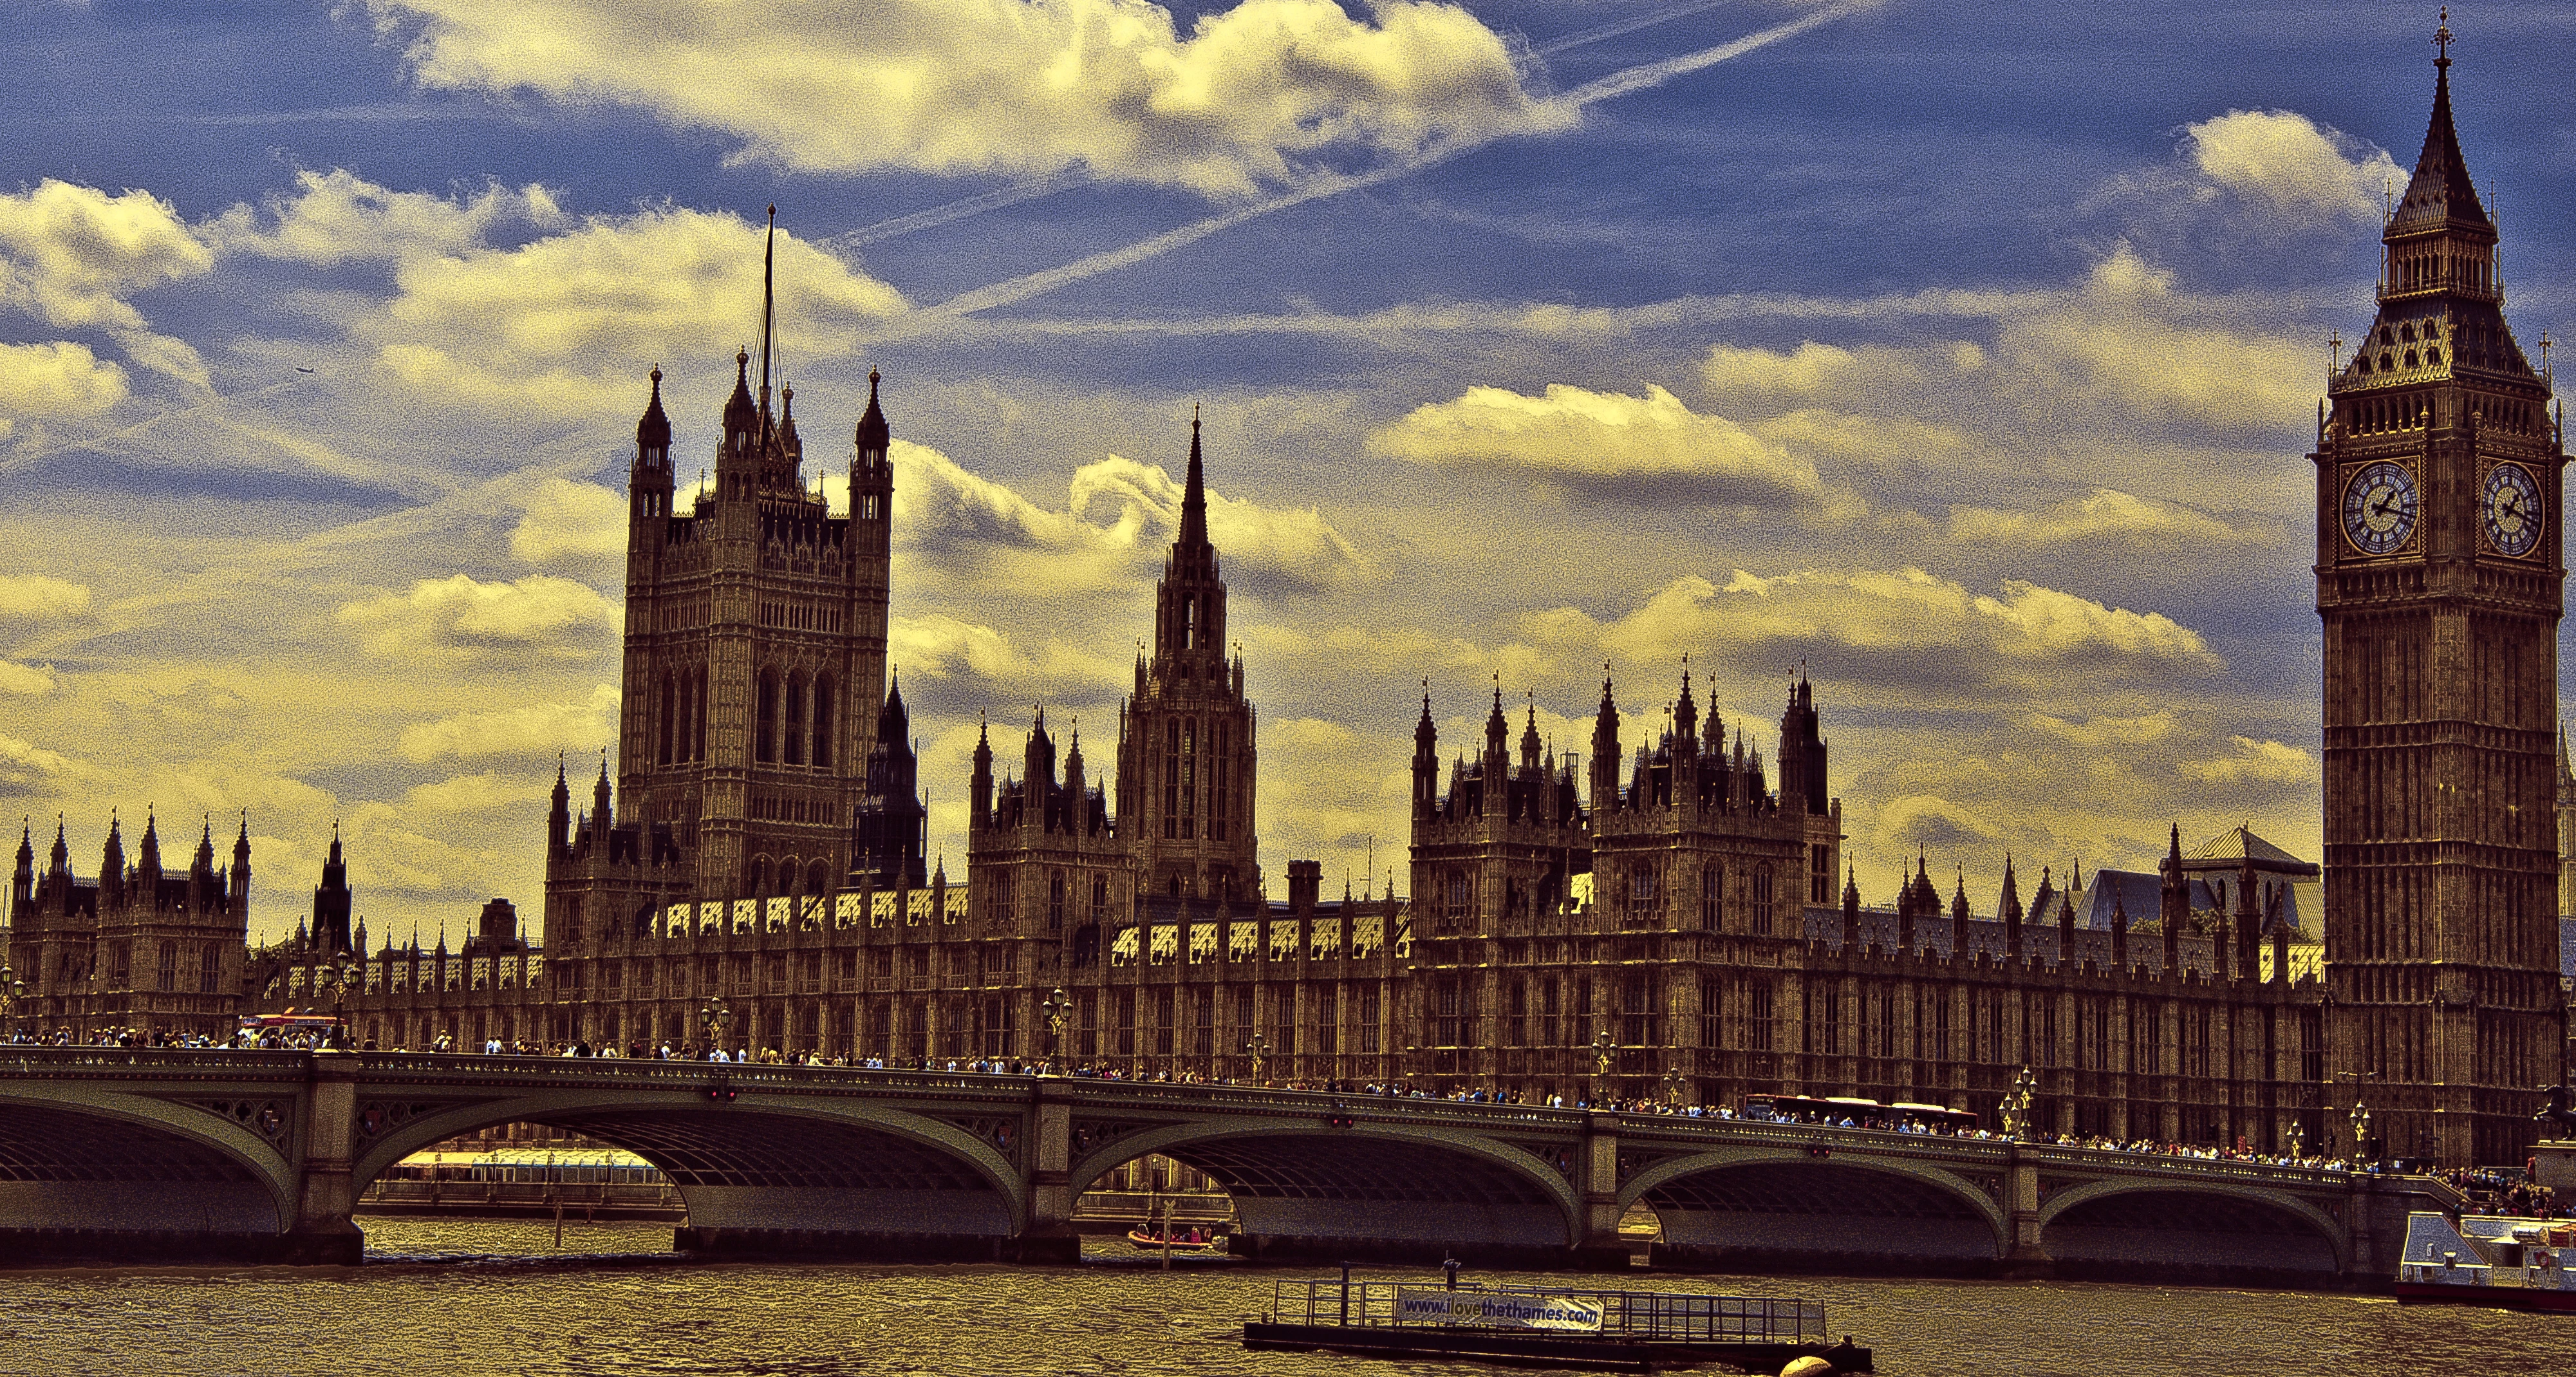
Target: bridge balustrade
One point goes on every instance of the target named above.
(293, 1119)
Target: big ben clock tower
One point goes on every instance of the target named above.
(2439, 577)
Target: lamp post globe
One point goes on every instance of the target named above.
(715, 1016)
(1053, 1010)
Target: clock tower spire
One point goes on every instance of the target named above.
(2440, 582)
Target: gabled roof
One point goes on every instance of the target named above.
(2231, 848)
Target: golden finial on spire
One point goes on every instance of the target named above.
(2442, 39)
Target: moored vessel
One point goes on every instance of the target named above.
(1193, 1240)
(1548, 1326)
(2499, 1260)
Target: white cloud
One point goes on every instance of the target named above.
(1297, 544)
(2291, 166)
(2105, 514)
(2099, 732)
(1930, 823)
(478, 793)
(70, 255)
(565, 726)
(1118, 515)
(31, 681)
(1576, 435)
(26, 767)
(1818, 372)
(1901, 628)
(60, 379)
(577, 317)
(1254, 96)
(338, 217)
(568, 520)
(42, 597)
(2253, 762)
(939, 646)
(459, 614)
(2127, 338)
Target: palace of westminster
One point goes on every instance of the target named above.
(1672, 921)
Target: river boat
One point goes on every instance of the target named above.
(2499, 1260)
(1546, 1326)
(1179, 1243)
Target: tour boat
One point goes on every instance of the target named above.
(2522, 1264)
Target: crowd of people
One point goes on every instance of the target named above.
(2494, 1191)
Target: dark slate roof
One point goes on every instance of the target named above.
(1986, 936)
(2142, 894)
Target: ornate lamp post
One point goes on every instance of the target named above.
(1674, 1082)
(12, 989)
(1052, 1011)
(714, 1016)
(2017, 1104)
(1257, 1047)
(340, 978)
(2298, 1141)
(2359, 1118)
(1602, 1051)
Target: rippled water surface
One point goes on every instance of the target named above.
(476, 1297)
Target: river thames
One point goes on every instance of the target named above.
(464, 1298)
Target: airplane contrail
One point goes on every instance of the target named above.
(1062, 180)
(1067, 179)
(1626, 81)
(1627, 26)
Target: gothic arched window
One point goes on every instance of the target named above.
(765, 740)
(697, 715)
(823, 707)
(662, 729)
(792, 743)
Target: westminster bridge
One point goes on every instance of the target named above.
(250, 1155)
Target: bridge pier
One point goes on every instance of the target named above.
(2025, 1253)
(1601, 1248)
(1047, 1179)
(324, 1232)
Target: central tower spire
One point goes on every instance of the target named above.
(1194, 494)
(768, 313)
(1185, 752)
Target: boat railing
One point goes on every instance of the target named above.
(1634, 1316)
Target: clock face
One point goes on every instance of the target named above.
(2509, 509)
(2379, 508)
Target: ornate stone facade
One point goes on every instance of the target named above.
(140, 950)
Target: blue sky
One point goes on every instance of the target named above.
(1967, 355)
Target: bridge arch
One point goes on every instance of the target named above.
(93, 1160)
(2214, 1227)
(766, 1164)
(1389, 1189)
(1768, 1203)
